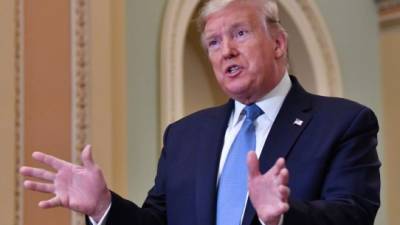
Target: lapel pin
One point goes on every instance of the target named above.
(298, 122)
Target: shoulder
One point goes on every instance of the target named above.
(336, 104)
(326, 106)
(339, 107)
(203, 119)
(342, 116)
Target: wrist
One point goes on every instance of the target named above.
(271, 221)
(101, 206)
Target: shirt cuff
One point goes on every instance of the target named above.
(103, 219)
(262, 223)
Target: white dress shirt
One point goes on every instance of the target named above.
(270, 104)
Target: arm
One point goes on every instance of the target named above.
(153, 210)
(84, 190)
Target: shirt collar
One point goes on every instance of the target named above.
(270, 103)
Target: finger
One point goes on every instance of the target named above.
(279, 164)
(253, 165)
(284, 193)
(283, 176)
(39, 186)
(49, 160)
(51, 203)
(86, 156)
(37, 173)
(284, 207)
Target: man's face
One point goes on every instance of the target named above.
(244, 56)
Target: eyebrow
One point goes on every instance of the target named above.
(239, 24)
(232, 27)
(205, 38)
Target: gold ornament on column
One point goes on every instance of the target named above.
(80, 74)
(19, 78)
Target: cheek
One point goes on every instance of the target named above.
(252, 57)
(217, 68)
(259, 60)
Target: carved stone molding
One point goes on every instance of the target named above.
(387, 4)
(305, 14)
(328, 75)
(389, 12)
(80, 74)
(19, 109)
(176, 20)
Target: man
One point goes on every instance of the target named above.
(327, 144)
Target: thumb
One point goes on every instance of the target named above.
(86, 156)
(253, 165)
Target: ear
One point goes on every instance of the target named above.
(280, 44)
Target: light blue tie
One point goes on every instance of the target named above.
(232, 189)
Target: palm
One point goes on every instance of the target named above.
(268, 192)
(266, 204)
(80, 188)
(72, 185)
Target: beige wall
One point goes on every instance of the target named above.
(47, 94)
(390, 58)
(7, 112)
(143, 27)
(108, 91)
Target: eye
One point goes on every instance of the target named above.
(213, 43)
(241, 33)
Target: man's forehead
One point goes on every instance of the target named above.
(230, 17)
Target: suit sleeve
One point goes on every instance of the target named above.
(350, 193)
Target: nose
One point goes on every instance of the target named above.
(229, 50)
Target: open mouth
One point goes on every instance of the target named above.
(233, 70)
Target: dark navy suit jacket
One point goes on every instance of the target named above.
(331, 157)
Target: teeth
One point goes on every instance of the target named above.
(233, 68)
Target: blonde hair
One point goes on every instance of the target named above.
(268, 8)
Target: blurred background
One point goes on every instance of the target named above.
(114, 73)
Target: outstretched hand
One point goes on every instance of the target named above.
(79, 188)
(268, 192)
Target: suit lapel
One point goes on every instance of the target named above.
(207, 161)
(293, 117)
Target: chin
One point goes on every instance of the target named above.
(239, 95)
(238, 87)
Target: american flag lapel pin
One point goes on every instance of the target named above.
(298, 122)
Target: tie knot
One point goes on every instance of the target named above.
(252, 112)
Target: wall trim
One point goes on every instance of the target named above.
(389, 14)
(80, 70)
(178, 14)
(79, 85)
(19, 110)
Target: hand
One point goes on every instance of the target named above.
(79, 188)
(268, 192)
